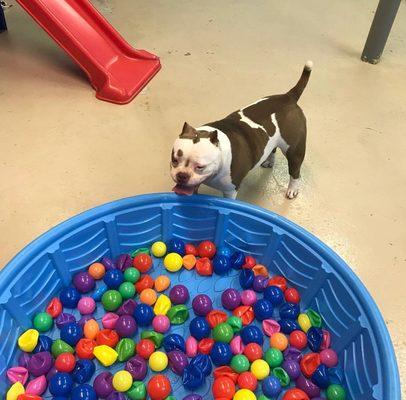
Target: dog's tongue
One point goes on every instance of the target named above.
(186, 190)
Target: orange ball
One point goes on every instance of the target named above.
(91, 329)
(148, 296)
(189, 261)
(97, 270)
(279, 341)
(162, 282)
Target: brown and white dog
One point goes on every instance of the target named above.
(220, 154)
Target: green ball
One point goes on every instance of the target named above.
(59, 347)
(240, 363)
(125, 349)
(235, 323)
(274, 357)
(137, 391)
(43, 322)
(335, 392)
(223, 333)
(111, 300)
(127, 290)
(282, 375)
(263, 397)
(131, 275)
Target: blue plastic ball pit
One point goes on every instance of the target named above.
(326, 283)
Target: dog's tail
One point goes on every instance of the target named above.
(297, 90)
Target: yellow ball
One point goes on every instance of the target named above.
(14, 391)
(122, 381)
(158, 249)
(260, 368)
(304, 322)
(173, 262)
(158, 361)
(244, 394)
(28, 340)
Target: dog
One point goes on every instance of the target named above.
(220, 154)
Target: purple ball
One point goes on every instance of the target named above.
(23, 360)
(103, 384)
(178, 361)
(292, 368)
(179, 294)
(108, 263)
(126, 326)
(260, 283)
(127, 308)
(193, 397)
(40, 363)
(231, 299)
(202, 305)
(51, 373)
(84, 319)
(123, 262)
(83, 282)
(308, 386)
(292, 353)
(137, 367)
(116, 396)
(63, 319)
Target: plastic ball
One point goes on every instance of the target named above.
(223, 388)
(71, 333)
(221, 354)
(148, 296)
(142, 262)
(111, 300)
(289, 311)
(279, 341)
(314, 338)
(203, 363)
(179, 294)
(240, 363)
(329, 358)
(287, 326)
(109, 320)
(161, 323)
(248, 297)
(174, 341)
(69, 297)
(173, 262)
(99, 292)
(191, 346)
(199, 328)
(202, 304)
(176, 246)
(126, 326)
(237, 346)
(191, 249)
(97, 270)
(83, 282)
(54, 307)
(253, 351)
(246, 278)
(298, 339)
(178, 361)
(204, 266)
(107, 337)
(127, 290)
(295, 394)
(274, 357)
(304, 322)
(192, 377)
(189, 261)
(158, 361)
(60, 384)
(163, 305)
(159, 387)
(307, 386)
(221, 264)
(320, 377)
(43, 322)
(271, 386)
(260, 283)
(103, 384)
(274, 294)
(237, 260)
(206, 249)
(158, 249)
(335, 392)
(86, 305)
(137, 367)
(292, 295)
(40, 364)
(260, 369)
(145, 282)
(244, 394)
(230, 299)
(162, 282)
(113, 278)
(252, 334)
(65, 362)
(263, 309)
(131, 275)
(145, 347)
(44, 344)
(223, 333)
(83, 371)
(83, 392)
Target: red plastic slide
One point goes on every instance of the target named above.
(117, 71)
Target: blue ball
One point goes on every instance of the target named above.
(224, 251)
(274, 294)
(44, 344)
(221, 264)
(221, 354)
(271, 386)
(202, 361)
(59, 398)
(69, 297)
(320, 377)
(336, 376)
(174, 341)
(83, 371)
(61, 384)
(192, 377)
(176, 246)
(71, 333)
(143, 314)
(237, 260)
(252, 334)
(113, 278)
(263, 309)
(199, 328)
(99, 292)
(314, 338)
(246, 278)
(289, 311)
(289, 325)
(83, 392)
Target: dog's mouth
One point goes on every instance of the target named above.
(184, 190)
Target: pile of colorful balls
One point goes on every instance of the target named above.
(262, 345)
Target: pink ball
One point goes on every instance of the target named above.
(191, 346)
(329, 358)
(236, 345)
(248, 297)
(109, 320)
(86, 305)
(161, 323)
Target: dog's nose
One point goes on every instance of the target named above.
(182, 177)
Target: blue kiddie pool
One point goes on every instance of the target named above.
(326, 283)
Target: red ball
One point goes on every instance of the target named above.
(309, 364)
(54, 307)
(250, 262)
(292, 295)
(295, 394)
(145, 282)
(84, 348)
(65, 362)
(205, 346)
(298, 339)
(253, 351)
(225, 371)
(26, 396)
(216, 317)
(159, 387)
(279, 281)
(207, 249)
(108, 337)
(223, 388)
(247, 380)
(145, 347)
(204, 266)
(142, 262)
(191, 249)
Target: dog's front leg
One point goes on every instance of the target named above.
(230, 194)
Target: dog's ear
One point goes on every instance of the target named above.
(214, 138)
(188, 131)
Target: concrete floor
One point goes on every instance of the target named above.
(62, 151)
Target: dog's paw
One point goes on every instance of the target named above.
(268, 164)
(293, 188)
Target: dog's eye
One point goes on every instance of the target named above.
(175, 163)
(200, 168)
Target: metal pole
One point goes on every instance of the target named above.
(380, 29)
(3, 25)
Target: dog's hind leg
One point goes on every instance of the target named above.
(295, 159)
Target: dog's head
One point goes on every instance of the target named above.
(195, 158)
